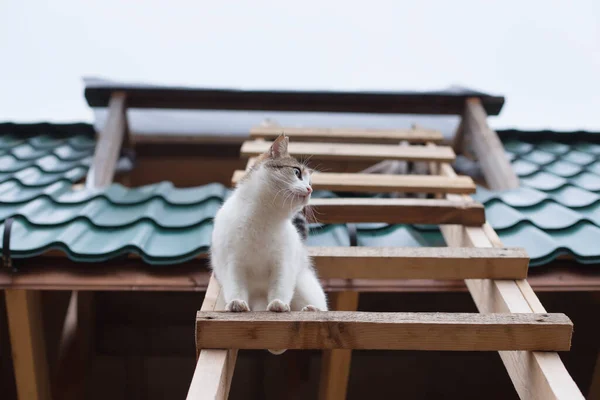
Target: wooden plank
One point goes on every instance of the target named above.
(27, 342)
(384, 331)
(194, 277)
(419, 263)
(108, 146)
(335, 364)
(348, 135)
(382, 183)
(354, 152)
(535, 375)
(398, 211)
(289, 100)
(214, 368)
(594, 391)
(495, 165)
(76, 348)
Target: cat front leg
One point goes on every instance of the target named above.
(235, 291)
(281, 289)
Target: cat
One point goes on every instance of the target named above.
(258, 252)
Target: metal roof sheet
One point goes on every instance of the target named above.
(555, 211)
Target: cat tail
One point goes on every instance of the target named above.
(301, 224)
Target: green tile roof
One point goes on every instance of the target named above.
(556, 211)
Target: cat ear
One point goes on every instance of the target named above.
(279, 148)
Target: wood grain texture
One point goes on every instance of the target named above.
(494, 163)
(535, 375)
(214, 368)
(380, 331)
(28, 345)
(398, 211)
(335, 364)
(383, 183)
(354, 152)
(348, 135)
(108, 146)
(419, 263)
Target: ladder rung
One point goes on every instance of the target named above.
(398, 211)
(349, 135)
(420, 262)
(383, 331)
(381, 183)
(355, 152)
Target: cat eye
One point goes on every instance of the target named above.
(297, 172)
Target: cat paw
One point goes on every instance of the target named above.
(237, 306)
(278, 306)
(310, 308)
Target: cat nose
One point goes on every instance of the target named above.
(309, 190)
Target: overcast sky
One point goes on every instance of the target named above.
(544, 56)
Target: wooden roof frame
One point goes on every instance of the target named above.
(545, 375)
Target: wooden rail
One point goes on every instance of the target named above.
(419, 263)
(347, 135)
(398, 211)
(354, 152)
(383, 331)
(382, 183)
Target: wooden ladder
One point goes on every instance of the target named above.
(511, 319)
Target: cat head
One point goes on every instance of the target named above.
(286, 178)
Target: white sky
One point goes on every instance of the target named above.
(544, 56)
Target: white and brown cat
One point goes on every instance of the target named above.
(258, 254)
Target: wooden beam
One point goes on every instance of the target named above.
(335, 364)
(348, 135)
(535, 375)
(76, 348)
(280, 100)
(108, 146)
(28, 345)
(398, 211)
(134, 275)
(214, 368)
(495, 165)
(594, 391)
(382, 183)
(419, 263)
(354, 152)
(383, 331)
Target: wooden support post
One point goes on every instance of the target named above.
(106, 153)
(594, 392)
(488, 148)
(28, 344)
(76, 348)
(335, 364)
